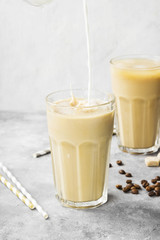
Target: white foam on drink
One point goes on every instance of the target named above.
(88, 48)
(79, 107)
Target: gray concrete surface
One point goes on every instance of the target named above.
(125, 216)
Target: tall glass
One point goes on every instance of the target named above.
(136, 85)
(80, 139)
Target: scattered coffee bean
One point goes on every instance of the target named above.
(110, 165)
(126, 189)
(157, 193)
(128, 175)
(128, 181)
(157, 178)
(154, 180)
(145, 184)
(153, 190)
(119, 187)
(119, 162)
(151, 194)
(122, 171)
(129, 185)
(134, 191)
(157, 184)
(157, 189)
(137, 186)
(152, 186)
(148, 188)
(143, 181)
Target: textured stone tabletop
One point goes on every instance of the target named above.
(124, 216)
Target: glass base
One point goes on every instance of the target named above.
(83, 205)
(139, 150)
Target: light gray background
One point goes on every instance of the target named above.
(42, 48)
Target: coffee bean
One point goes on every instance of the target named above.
(126, 189)
(122, 171)
(129, 185)
(151, 194)
(133, 187)
(157, 178)
(157, 184)
(128, 181)
(157, 189)
(119, 162)
(148, 188)
(143, 181)
(154, 180)
(137, 186)
(128, 175)
(134, 191)
(145, 184)
(110, 165)
(152, 186)
(119, 187)
(157, 193)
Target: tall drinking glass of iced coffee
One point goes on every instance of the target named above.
(80, 137)
(136, 85)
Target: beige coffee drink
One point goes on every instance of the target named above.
(80, 139)
(136, 85)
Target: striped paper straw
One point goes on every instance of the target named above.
(41, 153)
(16, 192)
(24, 191)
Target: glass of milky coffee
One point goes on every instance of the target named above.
(80, 132)
(136, 85)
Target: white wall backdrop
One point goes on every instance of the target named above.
(42, 48)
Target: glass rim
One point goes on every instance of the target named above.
(138, 56)
(111, 95)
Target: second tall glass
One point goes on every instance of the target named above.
(136, 85)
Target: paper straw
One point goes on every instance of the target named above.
(41, 153)
(16, 192)
(24, 191)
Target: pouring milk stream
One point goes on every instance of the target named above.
(85, 9)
